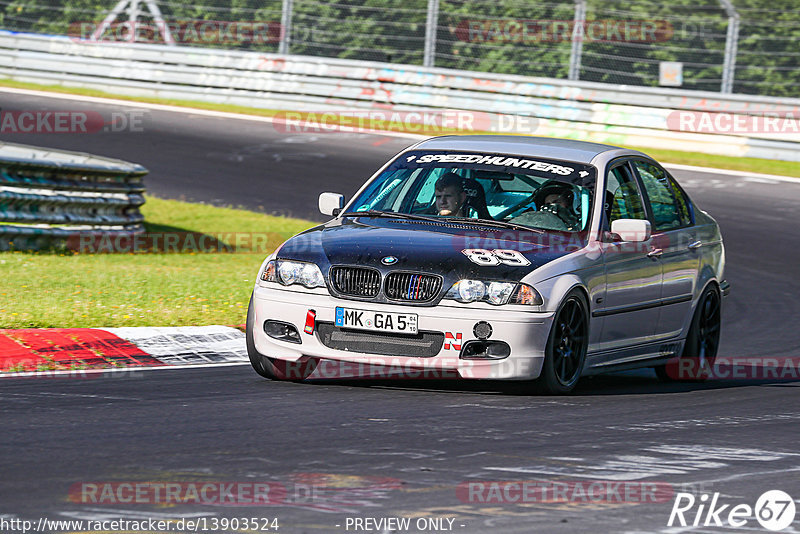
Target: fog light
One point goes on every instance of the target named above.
(282, 331)
(482, 330)
(485, 350)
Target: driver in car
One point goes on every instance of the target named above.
(558, 199)
(553, 209)
(450, 195)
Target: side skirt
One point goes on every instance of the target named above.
(646, 355)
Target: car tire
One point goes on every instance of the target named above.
(702, 341)
(272, 368)
(566, 347)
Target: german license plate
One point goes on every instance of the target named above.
(402, 323)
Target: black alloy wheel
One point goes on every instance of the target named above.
(702, 342)
(566, 346)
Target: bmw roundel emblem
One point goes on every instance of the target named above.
(389, 260)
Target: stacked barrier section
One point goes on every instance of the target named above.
(48, 197)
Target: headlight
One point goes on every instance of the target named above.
(312, 276)
(289, 272)
(499, 292)
(293, 272)
(470, 290)
(496, 293)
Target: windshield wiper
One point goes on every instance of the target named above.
(391, 214)
(441, 220)
(499, 224)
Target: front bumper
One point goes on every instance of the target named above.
(525, 332)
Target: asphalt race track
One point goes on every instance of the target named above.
(377, 449)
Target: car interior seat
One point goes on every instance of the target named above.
(476, 198)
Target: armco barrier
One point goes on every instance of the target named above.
(47, 196)
(583, 110)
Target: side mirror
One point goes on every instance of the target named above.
(331, 203)
(631, 230)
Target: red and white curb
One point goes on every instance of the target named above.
(31, 352)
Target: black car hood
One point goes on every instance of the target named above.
(422, 246)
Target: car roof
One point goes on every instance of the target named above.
(523, 145)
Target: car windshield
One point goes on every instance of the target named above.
(536, 193)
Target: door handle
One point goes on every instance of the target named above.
(655, 253)
(695, 245)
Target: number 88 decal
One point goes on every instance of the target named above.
(495, 257)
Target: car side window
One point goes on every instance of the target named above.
(669, 206)
(623, 200)
(683, 203)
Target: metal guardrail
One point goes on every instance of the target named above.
(50, 196)
(717, 45)
(636, 116)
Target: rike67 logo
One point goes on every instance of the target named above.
(774, 510)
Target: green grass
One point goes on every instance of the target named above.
(757, 165)
(51, 289)
(784, 168)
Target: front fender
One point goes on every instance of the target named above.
(554, 290)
